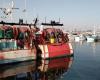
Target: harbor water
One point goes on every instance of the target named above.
(84, 65)
(86, 62)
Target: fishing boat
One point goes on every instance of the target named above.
(93, 36)
(79, 38)
(16, 42)
(52, 41)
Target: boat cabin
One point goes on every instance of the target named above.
(51, 35)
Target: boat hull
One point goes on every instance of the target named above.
(56, 50)
(16, 56)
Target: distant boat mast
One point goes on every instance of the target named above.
(25, 11)
(94, 30)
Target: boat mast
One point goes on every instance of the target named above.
(94, 31)
(25, 12)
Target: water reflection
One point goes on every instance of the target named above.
(36, 70)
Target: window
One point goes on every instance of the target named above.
(1, 34)
(9, 33)
(21, 35)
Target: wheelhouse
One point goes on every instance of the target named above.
(51, 35)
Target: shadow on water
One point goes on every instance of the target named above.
(36, 70)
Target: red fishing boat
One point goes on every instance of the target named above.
(52, 41)
(16, 42)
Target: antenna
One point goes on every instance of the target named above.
(12, 4)
(94, 30)
(36, 21)
(59, 20)
(24, 10)
(45, 19)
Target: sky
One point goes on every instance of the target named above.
(81, 14)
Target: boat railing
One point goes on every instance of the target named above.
(15, 38)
